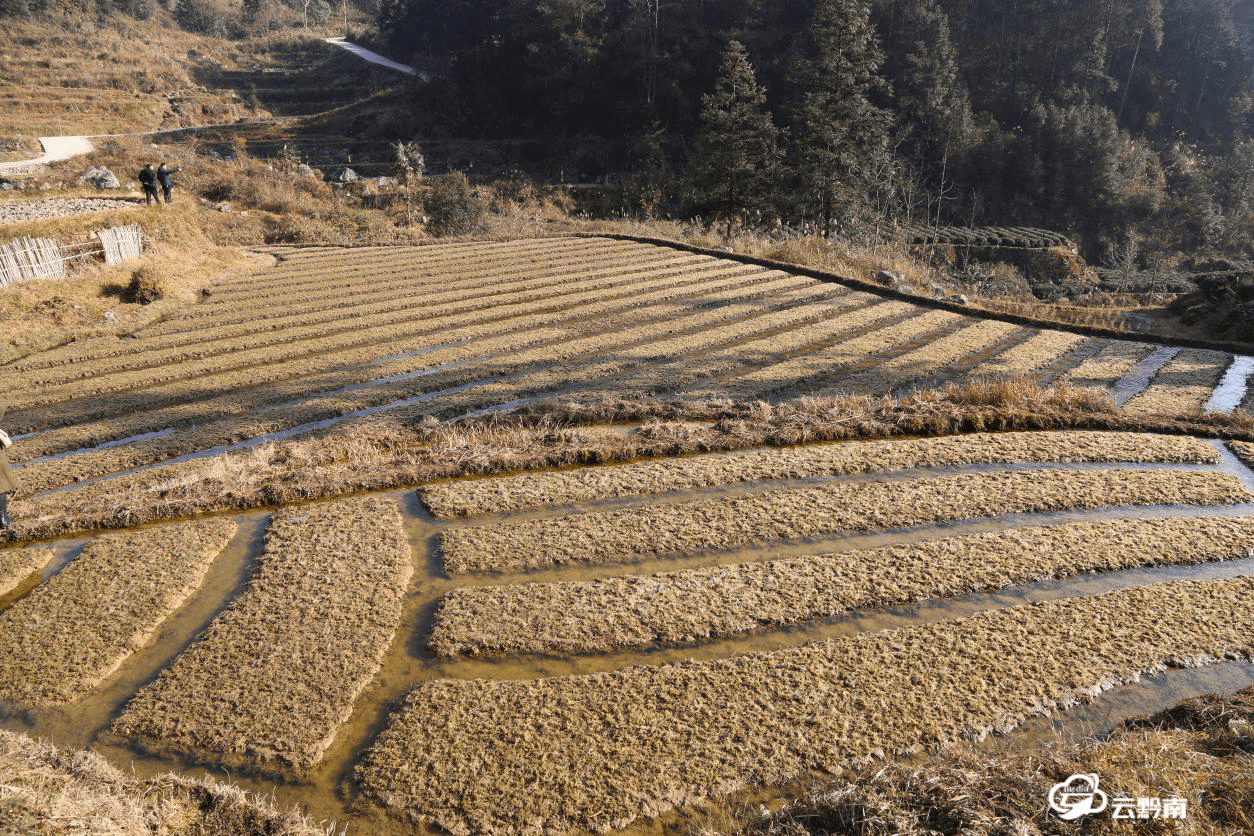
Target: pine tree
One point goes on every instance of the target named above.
(841, 132)
(739, 143)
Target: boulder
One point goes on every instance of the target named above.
(957, 299)
(345, 175)
(101, 178)
(307, 171)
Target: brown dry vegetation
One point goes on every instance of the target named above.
(597, 751)
(16, 565)
(58, 791)
(714, 601)
(531, 490)
(1108, 365)
(277, 673)
(66, 636)
(1038, 350)
(1201, 750)
(1244, 451)
(716, 524)
(382, 453)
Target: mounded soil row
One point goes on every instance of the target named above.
(396, 349)
(717, 524)
(1039, 350)
(1182, 385)
(599, 751)
(330, 344)
(815, 366)
(535, 490)
(16, 565)
(704, 603)
(925, 360)
(59, 642)
(47, 474)
(301, 321)
(1108, 366)
(276, 673)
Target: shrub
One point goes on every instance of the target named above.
(146, 286)
(454, 208)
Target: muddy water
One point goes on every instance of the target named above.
(328, 792)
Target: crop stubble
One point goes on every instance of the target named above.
(718, 524)
(688, 605)
(276, 673)
(60, 641)
(532, 490)
(1183, 384)
(597, 751)
(16, 565)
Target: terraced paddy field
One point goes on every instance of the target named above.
(688, 613)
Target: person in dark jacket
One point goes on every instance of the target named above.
(165, 176)
(8, 480)
(148, 179)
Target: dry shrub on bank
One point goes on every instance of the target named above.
(49, 790)
(276, 674)
(1200, 750)
(598, 751)
(16, 565)
(532, 490)
(825, 510)
(68, 635)
(724, 600)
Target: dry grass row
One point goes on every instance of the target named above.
(806, 370)
(601, 750)
(300, 327)
(926, 360)
(57, 643)
(43, 475)
(16, 565)
(1201, 750)
(533, 490)
(1109, 365)
(329, 355)
(297, 316)
(698, 370)
(1039, 350)
(329, 343)
(382, 453)
(826, 510)
(276, 674)
(690, 605)
(49, 790)
(1183, 385)
(1244, 451)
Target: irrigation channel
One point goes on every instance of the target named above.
(329, 790)
(328, 340)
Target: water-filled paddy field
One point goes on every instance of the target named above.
(596, 647)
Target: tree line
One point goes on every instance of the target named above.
(1116, 120)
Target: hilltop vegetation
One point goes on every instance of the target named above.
(1126, 123)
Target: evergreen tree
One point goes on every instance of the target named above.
(739, 142)
(841, 132)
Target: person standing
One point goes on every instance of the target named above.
(148, 179)
(8, 480)
(165, 176)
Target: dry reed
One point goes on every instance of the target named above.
(16, 565)
(1183, 385)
